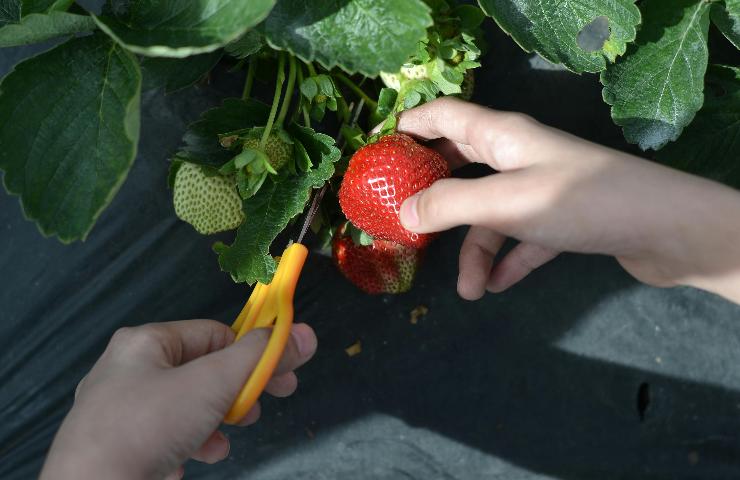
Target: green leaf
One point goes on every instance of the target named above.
(202, 145)
(551, 28)
(359, 237)
(710, 146)
(411, 99)
(175, 165)
(414, 92)
(271, 209)
(386, 101)
(245, 46)
(470, 16)
(45, 6)
(180, 28)
(309, 88)
(38, 27)
(68, 150)
(726, 16)
(656, 88)
(301, 159)
(175, 73)
(354, 136)
(365, 36)
(10, 12)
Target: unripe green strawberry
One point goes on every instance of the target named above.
(391, 80)
(382, 267)
(416, 72)
(413, 72)
(210, 204)
(278, 151)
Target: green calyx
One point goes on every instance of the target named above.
(278, 147)
(258, 158)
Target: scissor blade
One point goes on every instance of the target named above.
(312, 212)
(316, 202)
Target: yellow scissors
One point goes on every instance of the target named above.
(271, 305)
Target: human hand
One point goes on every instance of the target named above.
(555, 192)
(157, 396)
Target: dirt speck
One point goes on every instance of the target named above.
(418, 313)
(354, 349)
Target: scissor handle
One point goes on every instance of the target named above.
(267, 305)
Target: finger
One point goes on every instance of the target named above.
(282, 385)
(517, 264)
(176, 475)
(476, 260)
(493, 201)
(297, 351)
(442, 118)
(79, 386)
(501, 139)
(252, 416)
(171, 343)
(214, 449)
(224, 372)
(456, 154)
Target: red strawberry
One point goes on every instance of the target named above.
(383, 267)
(380, 177)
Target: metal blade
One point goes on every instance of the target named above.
(316, 202)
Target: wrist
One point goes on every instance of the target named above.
(703, 245)
(84, 449)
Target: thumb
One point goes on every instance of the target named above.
(450, 203)
(224, 373)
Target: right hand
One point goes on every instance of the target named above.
(555, 192)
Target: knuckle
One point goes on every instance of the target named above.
(144, 337)
(519, 122)
(122, 336)
(427, 120)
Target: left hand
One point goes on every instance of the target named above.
(157, 396)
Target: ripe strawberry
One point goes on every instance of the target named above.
(380, 176)
(383, 267)
(209, 203)
(278, 151)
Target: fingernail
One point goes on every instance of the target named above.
(228, 443)
(409, 214)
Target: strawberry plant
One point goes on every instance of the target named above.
(317, 77)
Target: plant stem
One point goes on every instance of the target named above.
(251, 72)
(302, 104)
(343, 112)
(357, 90)
(275, 100)
(288, 91)
(311, 70)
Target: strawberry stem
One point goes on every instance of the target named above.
(343, 112)
(311, 70)
(288, 91)
(356, 90)
(275, 100)
(303, 107)
(251, 72)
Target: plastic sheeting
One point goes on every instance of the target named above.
(577, 373)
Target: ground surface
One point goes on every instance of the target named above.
(541, 382)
